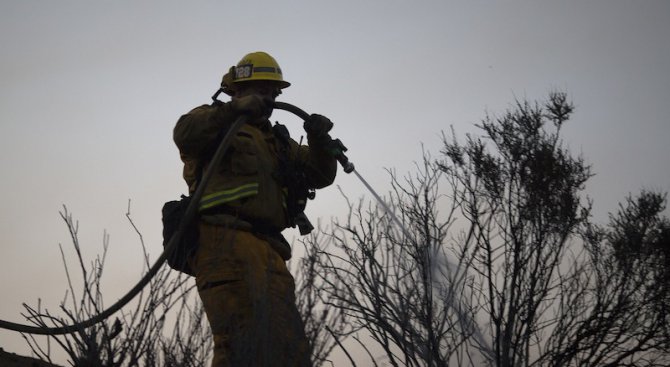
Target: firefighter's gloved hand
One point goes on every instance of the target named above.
(252, 105)
(317, 126)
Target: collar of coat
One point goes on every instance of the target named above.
(263, 125)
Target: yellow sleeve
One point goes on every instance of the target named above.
(320, 166)
(197, 132)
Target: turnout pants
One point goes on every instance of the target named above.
(249, 298)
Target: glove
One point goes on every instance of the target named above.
(252, 105)
(317, 126)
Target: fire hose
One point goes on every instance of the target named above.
(336, 148)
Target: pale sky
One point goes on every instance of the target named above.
(90, 92)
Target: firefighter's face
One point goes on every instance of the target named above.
(263, 89)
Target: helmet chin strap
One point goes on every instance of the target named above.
(216, 95)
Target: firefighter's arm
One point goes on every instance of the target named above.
(320, 163)
(198, 131)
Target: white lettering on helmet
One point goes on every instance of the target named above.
(243, 71)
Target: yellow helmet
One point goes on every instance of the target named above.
(259, 66)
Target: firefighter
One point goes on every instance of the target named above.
(239, 265)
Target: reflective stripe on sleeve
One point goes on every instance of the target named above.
(221, 197)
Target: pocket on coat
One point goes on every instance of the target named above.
(245, 155)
